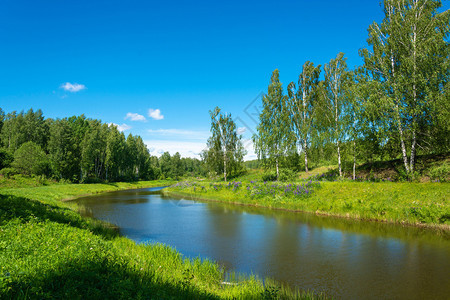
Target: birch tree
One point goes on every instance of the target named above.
(226, 151)
(115, 153)
(409, 57)
(366, 129)
(301, 105)
(274, 138)
(335, 101)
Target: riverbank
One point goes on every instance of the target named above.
(417, 204)
(48, 251)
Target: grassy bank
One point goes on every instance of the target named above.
(48, 251)
(399, 202)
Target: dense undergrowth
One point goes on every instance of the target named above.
(48, 251)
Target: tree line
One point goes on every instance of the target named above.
(79, 149)
(394, 105)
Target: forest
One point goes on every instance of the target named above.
(78, 149)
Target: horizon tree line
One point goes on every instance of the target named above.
(79, 149)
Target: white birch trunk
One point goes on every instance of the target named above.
(339, 158)
(225, 166)
(397, 111)
(413, 153)
(278, 172)
(402, 141)
(305, 142)
(305, 149)
(336, 119)
(354, 160)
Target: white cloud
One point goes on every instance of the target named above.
(123, 127)
(135, 117)
(72, 87)
(190, 148)
(180, 133)
(250, 148)
(155, 114)
(185, 148)
(241, 130)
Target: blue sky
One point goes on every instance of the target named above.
(157, 67)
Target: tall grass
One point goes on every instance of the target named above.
(399, 202)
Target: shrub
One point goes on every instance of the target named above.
(287, 175)
(5, 158)
(9, 172)
(31, 159)
(440, 173)
(269, 176)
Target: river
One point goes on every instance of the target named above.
(339, 257)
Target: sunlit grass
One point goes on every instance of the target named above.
(399, 202)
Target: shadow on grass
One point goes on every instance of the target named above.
(423, 163)
(98, 279)
(12, 207)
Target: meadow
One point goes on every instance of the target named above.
(412, 203)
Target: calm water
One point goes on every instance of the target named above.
(342, 258)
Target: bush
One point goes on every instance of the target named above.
(31, 159)
(403, 176)
(5, 158)
(269, 176)
(9, 172)
(287, 175)
(440, 173)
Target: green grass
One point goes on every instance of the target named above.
(397, 202)
(48, 251)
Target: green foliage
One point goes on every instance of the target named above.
(31, 159)
(252, 164)
(9, 172)
(275, 137)
(269, 176)
(63, 148)
(287, 175)
(302, 105)
(409, 65)
(336, 104)
(19, 128)
(440, 172)
(168, 166)
(2, 119)
(6, 158)
(86, 150)
(225, 150)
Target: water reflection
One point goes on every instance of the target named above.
(343, 258)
